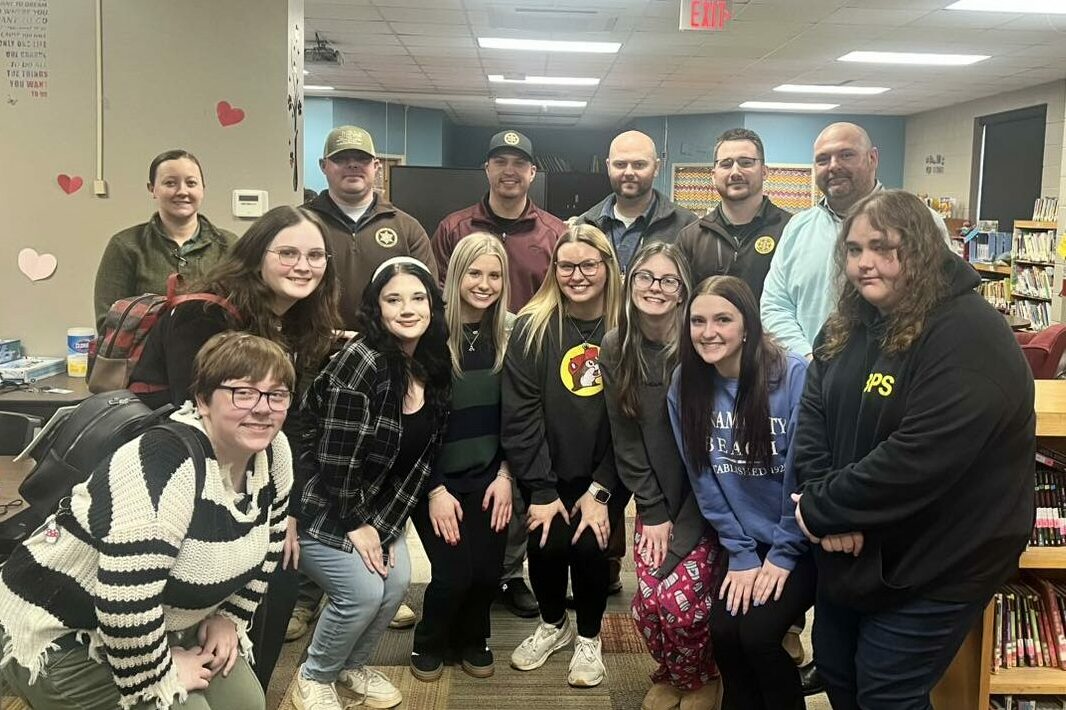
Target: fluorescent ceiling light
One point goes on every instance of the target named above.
(542, 102)
(317, 87)
(787, 106)
(929, 58)
(548, 45)
(546, 80)
(1047, 7)
(830, 89)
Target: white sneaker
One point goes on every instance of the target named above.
(405, 618)
(372, 689)
(586, 667)
(312, 695)
(546, 640)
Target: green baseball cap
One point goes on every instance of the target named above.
(511, 140)
(348, 138)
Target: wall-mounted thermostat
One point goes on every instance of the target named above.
(250, 203)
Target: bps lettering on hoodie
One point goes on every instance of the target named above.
(879, 383)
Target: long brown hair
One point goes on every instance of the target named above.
(921, 254)
(762, 366)
(633, 365)
(307, 327)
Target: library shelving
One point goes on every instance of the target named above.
(969, 681)
(1033, 271)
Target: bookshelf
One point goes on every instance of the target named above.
(969, 681)
(1032, 270)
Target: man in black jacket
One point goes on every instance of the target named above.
(740, 235)
(635, 212)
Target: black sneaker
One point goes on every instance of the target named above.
(516, 596)
(478, 662)
(811, 680)
(426, 667)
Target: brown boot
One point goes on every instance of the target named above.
(709, 697)
(661, 696)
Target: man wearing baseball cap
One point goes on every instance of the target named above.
(528, 232)
(363, 229)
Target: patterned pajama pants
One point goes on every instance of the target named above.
(671, 614)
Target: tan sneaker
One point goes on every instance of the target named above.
(371, 688)
(586, 667)
(709, 697)
(405, 618)
(299, 623)
(661, 696)
(546, 640)
(312, 695)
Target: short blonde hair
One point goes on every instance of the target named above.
(234, 355)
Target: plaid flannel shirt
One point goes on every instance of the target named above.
(353, 409)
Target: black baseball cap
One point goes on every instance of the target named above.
(511, 140)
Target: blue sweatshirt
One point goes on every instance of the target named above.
(750, 508)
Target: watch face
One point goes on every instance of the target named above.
(602, 496)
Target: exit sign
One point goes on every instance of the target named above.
(705, 14)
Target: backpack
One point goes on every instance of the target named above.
(114, 353)
(68, 450)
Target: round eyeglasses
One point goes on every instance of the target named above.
(590, 267)
(248, 398)
(667, 284)
(290, 256)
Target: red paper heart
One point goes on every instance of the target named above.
(227, 114)
(69, 184)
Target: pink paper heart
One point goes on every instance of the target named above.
(228, 115)
(69, 184)
(36, 266)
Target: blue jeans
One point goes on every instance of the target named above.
(888, 660)
(361, 605)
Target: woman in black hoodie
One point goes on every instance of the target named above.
(915, 455)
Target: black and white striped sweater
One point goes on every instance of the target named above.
(148, 548)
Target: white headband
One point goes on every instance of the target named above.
(399, 260)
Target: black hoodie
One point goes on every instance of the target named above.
(929, 454)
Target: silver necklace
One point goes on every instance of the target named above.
(471, 341)
(592, 334)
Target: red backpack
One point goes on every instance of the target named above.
(113, 354)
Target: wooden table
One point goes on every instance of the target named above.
(31, 400)
(11, 477)
(1017, 322)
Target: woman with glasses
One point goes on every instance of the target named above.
(279, 283)
(463, 518)
(177, 239)
(140, 591)
(377, 415)
(558, 443)
(733, 404)
(675, 551)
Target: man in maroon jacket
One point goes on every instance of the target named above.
(528, 233)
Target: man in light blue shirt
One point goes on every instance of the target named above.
(800, 291)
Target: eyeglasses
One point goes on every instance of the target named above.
(744, 163)
(4, 507)
(590, 267)
(248, 398)
(290, 256)
(667, 284)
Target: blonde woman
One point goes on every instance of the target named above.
(558, 443)
(463, 518)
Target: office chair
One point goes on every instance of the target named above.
(16, 432)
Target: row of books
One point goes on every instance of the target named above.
(1035, 246)
(1029, 625)
(996, 292)
(1013, 702)
(1046, 209)
(1033, 281)
(987, 246)
(1038, 312)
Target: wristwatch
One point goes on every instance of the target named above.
(599, 493)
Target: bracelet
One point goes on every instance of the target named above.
(439, 490)
(504, 474)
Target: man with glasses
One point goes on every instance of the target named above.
(799, 293)
(635, 212)
(740, 235)
(528, 233)
(362, 229)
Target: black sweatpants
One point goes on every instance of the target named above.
(585, 562)
(455, 609)
(271, 619)
(757, 672)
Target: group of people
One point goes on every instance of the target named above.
(808, 410)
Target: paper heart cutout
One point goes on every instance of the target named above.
(69, 184)
(227, 114)
(37, 267)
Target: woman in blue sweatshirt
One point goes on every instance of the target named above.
(733, 404)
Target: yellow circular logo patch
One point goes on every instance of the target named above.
(580, 370)
(765, 244)
(511, 138)
(386, 237)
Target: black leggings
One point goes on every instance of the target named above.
(757, 672)
(585, 562)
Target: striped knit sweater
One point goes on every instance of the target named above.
(148, 547)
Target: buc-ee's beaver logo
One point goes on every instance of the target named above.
(386, 237)
(580, 370)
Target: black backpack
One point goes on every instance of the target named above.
(72, 448)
